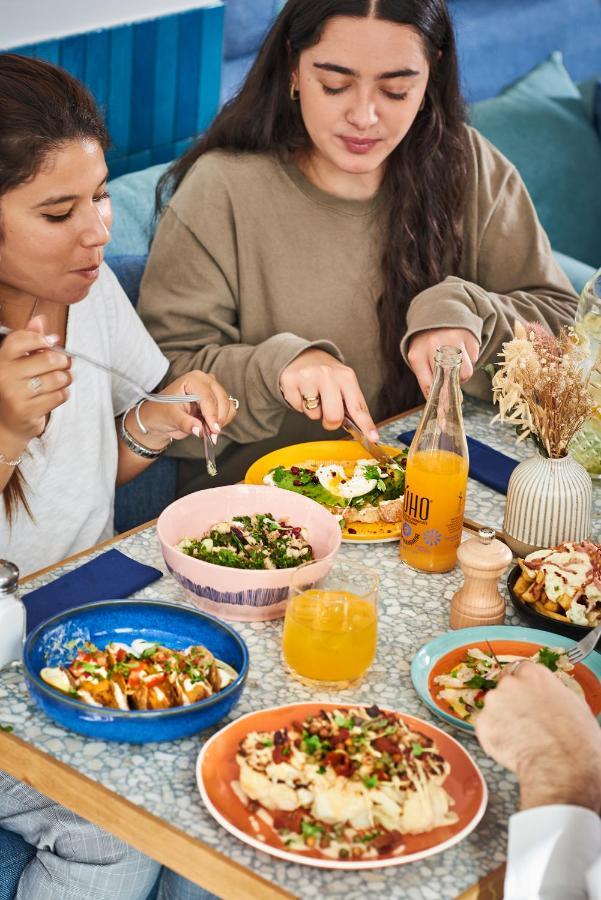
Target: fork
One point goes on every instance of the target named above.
(582, 649)
(153, 397)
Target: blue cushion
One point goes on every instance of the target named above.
(540, 123)
(146, 496)
(133, 211)
(499, 41)
(15, 853)
(246, 22)
(233, 74)
(129, 270)
(578, 272)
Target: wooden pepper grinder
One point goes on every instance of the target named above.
(483, 560)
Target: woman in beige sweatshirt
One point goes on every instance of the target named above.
(336, 224)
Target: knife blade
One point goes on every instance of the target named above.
(373, 449)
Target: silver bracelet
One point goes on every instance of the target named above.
(139, 422)
(132, 444)
(13, 463)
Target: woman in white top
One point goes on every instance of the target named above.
(61, 451)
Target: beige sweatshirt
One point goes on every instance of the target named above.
(251, 264)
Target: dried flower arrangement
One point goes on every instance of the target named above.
(541, 388)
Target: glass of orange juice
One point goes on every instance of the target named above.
(331, 626)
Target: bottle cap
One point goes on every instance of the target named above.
(9, 577)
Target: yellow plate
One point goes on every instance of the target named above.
(327, 451)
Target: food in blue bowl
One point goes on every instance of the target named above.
(135, 670)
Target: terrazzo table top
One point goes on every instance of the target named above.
(413, 608)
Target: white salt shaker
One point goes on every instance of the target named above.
(12, 615)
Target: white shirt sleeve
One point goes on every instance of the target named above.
(554, 853)
(132, 350)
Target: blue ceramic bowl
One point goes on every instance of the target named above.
(56, 641)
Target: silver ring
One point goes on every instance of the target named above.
(235, 401)
(311, 402)
(35, 384)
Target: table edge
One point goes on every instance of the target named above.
(159, 839)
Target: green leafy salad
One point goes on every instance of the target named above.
(251, 542)
(342, 484)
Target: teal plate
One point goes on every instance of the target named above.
(430, 654)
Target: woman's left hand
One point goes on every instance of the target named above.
(178, 420)
(424, 345)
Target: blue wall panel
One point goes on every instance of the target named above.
(165, 80)
(73, 55)
(157, 81)
(142, 85)
(49, 50)
(119, 98)
(211, 52)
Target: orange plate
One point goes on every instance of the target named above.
(216, 768)
(327, 451)
(586, 678)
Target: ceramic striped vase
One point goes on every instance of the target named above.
(548, 501)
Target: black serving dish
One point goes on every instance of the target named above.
(539, 620)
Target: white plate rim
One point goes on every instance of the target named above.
(314, 862)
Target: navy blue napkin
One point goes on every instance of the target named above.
(488, 466)
(110, 576)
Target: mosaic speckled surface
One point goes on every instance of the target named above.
(413, 608)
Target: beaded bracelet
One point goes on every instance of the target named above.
(132, 444)
(11, 462)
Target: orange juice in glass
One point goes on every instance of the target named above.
(331, 626)
(436, 474)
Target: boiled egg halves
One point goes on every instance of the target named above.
(335, 480)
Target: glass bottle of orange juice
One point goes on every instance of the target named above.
(436, 474)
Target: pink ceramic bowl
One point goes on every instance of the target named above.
(243, 594)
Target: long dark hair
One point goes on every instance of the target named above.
(42, 108)
(424, 184)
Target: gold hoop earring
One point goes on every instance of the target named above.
(294, 92)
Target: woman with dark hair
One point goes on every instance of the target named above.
(337, 223)
(69, 433)
(60, 450)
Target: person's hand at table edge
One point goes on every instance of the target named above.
(540, 730)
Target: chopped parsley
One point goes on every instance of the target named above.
(548, 658)
(481, 683)
(371, 781)
(309, 829)
(416, 749)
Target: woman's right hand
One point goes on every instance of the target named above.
(33, 381)
(317, 375)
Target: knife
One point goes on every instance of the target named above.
(373, 449)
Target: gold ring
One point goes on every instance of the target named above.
(311, 402)
(35, 384)
(235, 401)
